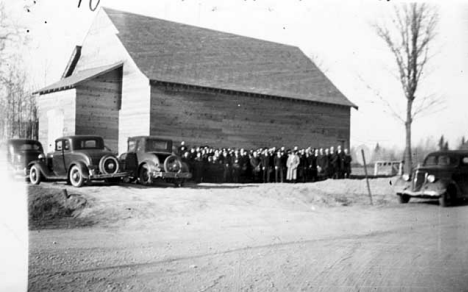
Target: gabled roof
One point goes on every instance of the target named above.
(173, 52)
(78, 77)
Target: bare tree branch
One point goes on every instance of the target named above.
(409, 38)
(388, 108)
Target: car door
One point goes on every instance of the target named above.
(59, 159)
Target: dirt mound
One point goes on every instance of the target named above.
(137, 206)
(54, 208)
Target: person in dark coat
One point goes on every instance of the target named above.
(256, 165)
(244, 163)
(266, 166)
(227, 167)
(335, 163)
(198, 171)
(284, 159)
(236, 166)
(302, 168)
(182, 149)
(313, 165)
(347, 164)
(279, 167)
(326, 163)
(308, 170)
(341, 158)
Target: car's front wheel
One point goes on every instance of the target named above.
(76, 176)
(144, 176)
(403, 199)
(34, 175)
(448, 198)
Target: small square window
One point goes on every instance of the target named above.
(58, 146)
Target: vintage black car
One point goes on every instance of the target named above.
(77, 160)
(20, 152)
(442, 176)
(149, 158)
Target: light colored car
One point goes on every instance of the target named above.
(442, 176)
(148, 158)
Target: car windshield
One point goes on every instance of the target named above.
(89, 143)
(441, 160)
(156, 145)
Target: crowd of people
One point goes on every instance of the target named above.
(265, 165)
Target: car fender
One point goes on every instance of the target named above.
(82, 166)
(401, 185)
(439, 186)
(151, 164)
(42, 167)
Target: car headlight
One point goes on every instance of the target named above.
(41, 156)
(431, 178)
(405, 177)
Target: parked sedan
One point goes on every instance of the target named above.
(20, 152)
(442, 176)
(77, 160)
(148, 158)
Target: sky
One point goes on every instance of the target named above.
(337, 34)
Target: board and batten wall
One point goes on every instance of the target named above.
(102, 47)
(97, 107)
(208, 117)
(56, 113)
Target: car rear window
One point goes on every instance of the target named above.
(156, 145)
(89, 144)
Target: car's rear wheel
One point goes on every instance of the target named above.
(35, 175)
(144, 176)
(403, 199)
(76, 176)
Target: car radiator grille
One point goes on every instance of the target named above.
(419, 179)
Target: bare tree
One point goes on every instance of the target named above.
(18, 114)
(409, 38)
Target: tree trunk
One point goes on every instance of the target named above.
(409, 120)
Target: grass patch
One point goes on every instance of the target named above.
(51, 209)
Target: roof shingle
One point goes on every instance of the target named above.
(173, 52)
(76, 78)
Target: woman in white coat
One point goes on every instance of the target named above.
(292, 163)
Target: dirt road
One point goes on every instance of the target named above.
(253, 238)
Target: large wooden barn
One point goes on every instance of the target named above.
(137, 75)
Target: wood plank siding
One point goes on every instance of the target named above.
(97, 107)
(56, 116)
(102, 46)
(202, 116)
(135, 112)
